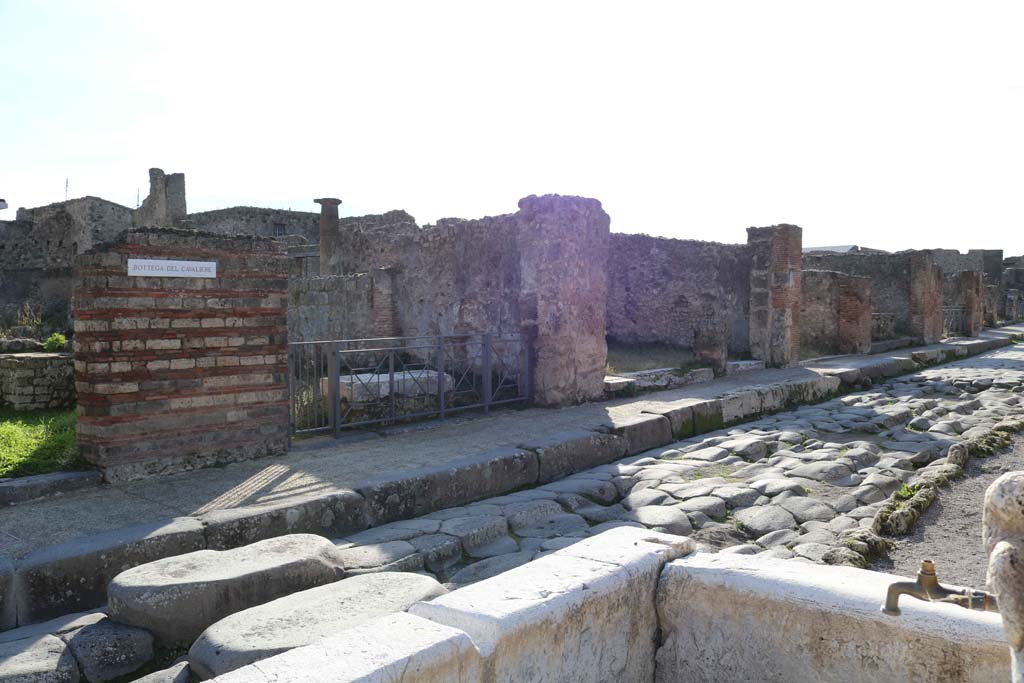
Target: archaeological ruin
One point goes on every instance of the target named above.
(318, 447)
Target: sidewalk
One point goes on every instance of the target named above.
(316, 467)
(58, 554)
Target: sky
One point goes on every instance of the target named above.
(892, 125)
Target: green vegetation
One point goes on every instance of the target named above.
(635, 357)
(37, 442)
(55, 342)
(906, 492)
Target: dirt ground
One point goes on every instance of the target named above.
(949, 532)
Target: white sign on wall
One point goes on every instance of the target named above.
(160, 268)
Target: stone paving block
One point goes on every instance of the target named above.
(475, 530)
(178, 597)
(642, 432)
(388, 649)
(304, 618)
(55, 627)
(177, 673)
(764, 519)
(332, 514)
(560, 455)
(439, 551)
(410, 494)
(108, 650)
(45, 659)
(707, 416)
(73, 576)
(680, 415)
(594, 598)
(398, 556)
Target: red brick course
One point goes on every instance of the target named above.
(177, 373)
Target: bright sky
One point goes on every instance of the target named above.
(886, 124)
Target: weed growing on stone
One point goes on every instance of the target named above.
(906, 492)
(37, 442)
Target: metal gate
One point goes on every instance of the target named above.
(348, 383)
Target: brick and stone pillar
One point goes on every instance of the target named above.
(926, 290)
(972, 293)
(165, 205)
(563, 251)
(854, 314)
(175, 373)
(329, 226)
(775, 294)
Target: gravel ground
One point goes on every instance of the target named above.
(949, 532)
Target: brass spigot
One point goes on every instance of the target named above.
(928, 588)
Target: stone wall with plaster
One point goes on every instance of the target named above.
(685, 293)
(835, 314)
(172, 372)
(37, 381)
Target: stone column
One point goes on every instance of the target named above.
(926, 290)
(775, 294)
(329, 227)
(1004, 538)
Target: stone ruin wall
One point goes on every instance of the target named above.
(684, 293)
(906, 285)
(249, 220)
(36, 254)
(989, 262)
(775, 294)
(177, 373)
(835, 314)
(355, 306)
(539, 272)
(966, 290)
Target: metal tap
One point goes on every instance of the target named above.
(928, 588)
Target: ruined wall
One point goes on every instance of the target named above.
(775, 294)
(540, 272)
(177, 373)
(835, 314)
(342, 307)
(36, 254)
(165, 204)
(249, 220)
(966, 291)
(907, 285)
(989, 262)
(686, 293)
(36, 381)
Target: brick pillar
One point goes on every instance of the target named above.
(382, 304)
(926, 291)
(563, 263)
(775, 294)
(329, 226)
(175, 373)
(972, 294)
(854, 314)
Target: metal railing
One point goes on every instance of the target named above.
(348, 383)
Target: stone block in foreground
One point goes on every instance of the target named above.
(304, 618)
(742, 618)
(593, 599)
(396, 647)
(37, 660)
(177, 598)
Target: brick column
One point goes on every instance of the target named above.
(926, 291)
(854, 314)
(775, 294)
(972, 294)
(175, 373)
(563, 252)
(329, 226)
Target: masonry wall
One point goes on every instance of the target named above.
(685, 293)
(907, 285)
(342, 307)
(249, 220)
(966, 290)
(177, 373)
(37, 381)
(539, 272)
(835, 314)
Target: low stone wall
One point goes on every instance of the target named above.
(620, 607)
(355, 306)
(835, 314)
(35, 381)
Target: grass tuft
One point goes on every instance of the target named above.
(37, 442)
